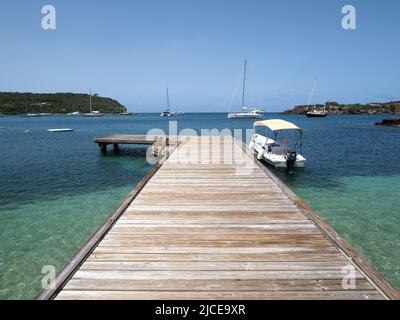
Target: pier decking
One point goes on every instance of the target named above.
(204, 227)
(117, 139)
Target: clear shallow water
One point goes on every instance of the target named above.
(56, 190)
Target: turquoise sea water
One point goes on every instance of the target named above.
(56, 190)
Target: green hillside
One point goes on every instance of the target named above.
(340, 108)
(12, 103)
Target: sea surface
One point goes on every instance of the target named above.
(56, 189)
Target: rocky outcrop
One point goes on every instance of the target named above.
(389, 122)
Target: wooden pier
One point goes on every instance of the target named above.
(201, 226)
(117, 139)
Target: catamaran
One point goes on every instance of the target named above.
(246, 113)
(277, 151)
(167, 112)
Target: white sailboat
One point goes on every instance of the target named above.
(246, 113)
(74, 113)
(167, 112)
(92, 113)
(314, 111)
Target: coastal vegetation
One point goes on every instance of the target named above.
(14, 103)
(338, 109)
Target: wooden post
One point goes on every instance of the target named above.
(103, 148)
(116, 147)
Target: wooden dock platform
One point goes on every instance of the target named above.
(118, 139)
(203, 227)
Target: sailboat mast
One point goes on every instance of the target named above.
(90, 99)
(312, 92)
(244, 83)
(168, 106)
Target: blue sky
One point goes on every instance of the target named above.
(131, 50)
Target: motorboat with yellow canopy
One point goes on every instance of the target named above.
(283, 149)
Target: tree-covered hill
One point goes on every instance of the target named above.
(337, 108)
(12, 103)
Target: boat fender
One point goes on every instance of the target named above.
(251, 145)
(260, 154)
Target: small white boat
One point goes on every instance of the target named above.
(32, 115)
(75, 113)
(277, 151)
(93, 114)
(60, 130)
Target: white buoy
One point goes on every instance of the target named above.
(260, 155)
(251, 145)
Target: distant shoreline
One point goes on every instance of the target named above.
(16, 103)
(136, 113)
(334, 108)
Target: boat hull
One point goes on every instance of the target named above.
(313, 115)
(282, 164)
(165, 114)
(275, 160)
(244, 116)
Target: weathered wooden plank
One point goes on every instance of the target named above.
(103, 255)
(223, 216)
(215, 285)
(214, 266)
(252, 238)
(220, 250)
(215, 208)
(321, 244)
(218, 295)
(210, 275)
(128, 229)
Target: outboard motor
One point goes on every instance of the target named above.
(291, 158)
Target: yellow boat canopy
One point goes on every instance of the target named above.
(277, 124)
